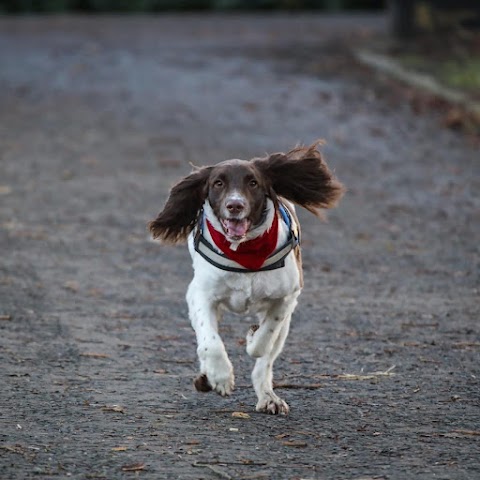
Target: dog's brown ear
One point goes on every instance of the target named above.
(303, 177)
(179, 216)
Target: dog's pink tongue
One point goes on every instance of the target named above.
(236, 228)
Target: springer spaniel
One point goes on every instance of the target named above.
(243, 236)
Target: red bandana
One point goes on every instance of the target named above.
(251, 254)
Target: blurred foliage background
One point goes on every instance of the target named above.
(51, 6)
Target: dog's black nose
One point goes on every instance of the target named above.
(235, 206)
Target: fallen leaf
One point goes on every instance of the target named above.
(67, 175)
(20, 450)
(94, 355)
(115, 314)
(167, 337)
(465, 345)
(13, 448)
(295, 386)
(350, 376)
(250, 106)
(135, 467)
(95, 292)
(240, 415)
(113, 408)
(455, 118)
(5, 317)
(72, 286)
(468, 432)
(192, 442)
(119, 449)
(368, 376)
(294, 443)
(90, 161)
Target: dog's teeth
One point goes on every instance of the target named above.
(236, 228)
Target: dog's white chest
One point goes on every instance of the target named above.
(237, 295)
(245, 292)
(253, 293)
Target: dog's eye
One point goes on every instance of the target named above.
(253, 183)
(218, 183)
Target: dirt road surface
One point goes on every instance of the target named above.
(99, 116)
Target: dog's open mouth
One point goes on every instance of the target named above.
(236, 229)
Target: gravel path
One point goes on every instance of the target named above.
(98, 117)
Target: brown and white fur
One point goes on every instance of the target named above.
(240, 199)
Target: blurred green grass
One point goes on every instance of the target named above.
(461, 73)
(465, 75)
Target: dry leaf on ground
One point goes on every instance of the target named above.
(94, 355)
(113, 408)
(135, 467)
(240, 415)
(294, 443)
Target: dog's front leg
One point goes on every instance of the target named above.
(265, 342)
(216, 371)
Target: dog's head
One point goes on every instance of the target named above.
(237, 194)
(237, 191)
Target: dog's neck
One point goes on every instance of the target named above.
(256, 231)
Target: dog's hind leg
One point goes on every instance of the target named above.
(265, 343)
(216, 371)
(260, 339)
(262, 376)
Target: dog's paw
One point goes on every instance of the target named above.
(224, 387)
(273, 405)
(217, 376)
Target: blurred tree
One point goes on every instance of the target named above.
(35, 5)
(16, 6)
